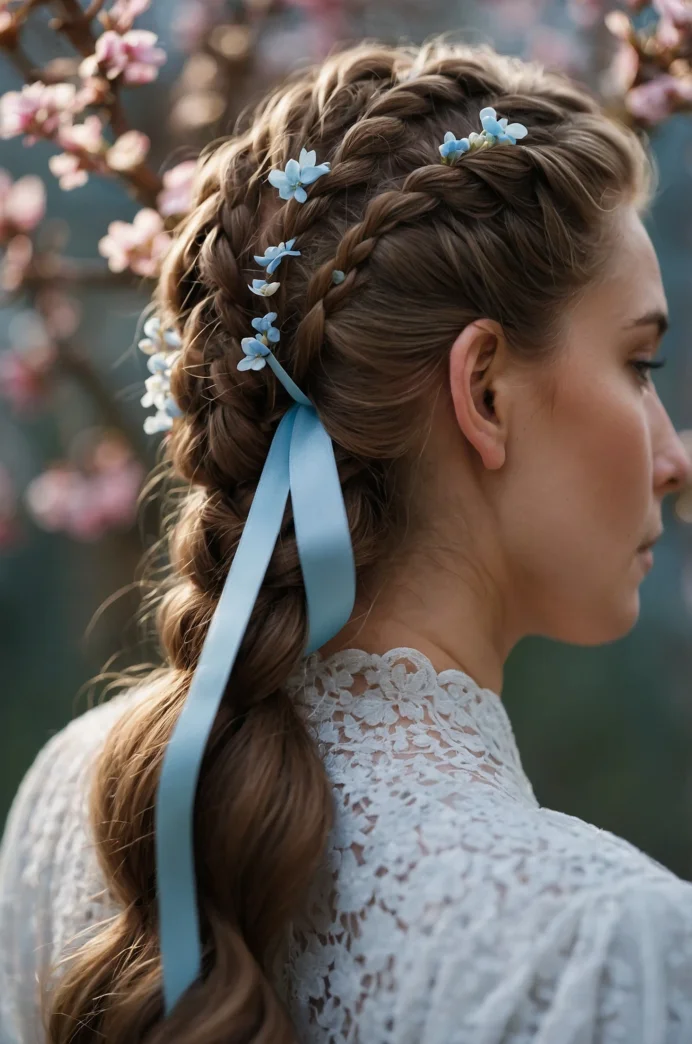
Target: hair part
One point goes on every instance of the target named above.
(507, 233)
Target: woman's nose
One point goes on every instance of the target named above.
(672, 463)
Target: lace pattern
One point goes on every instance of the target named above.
(449, 908)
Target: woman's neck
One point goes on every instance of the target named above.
(451, 617)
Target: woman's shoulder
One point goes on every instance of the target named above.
(50, 881)
(46, 790)
(51, 801)
(510, 923)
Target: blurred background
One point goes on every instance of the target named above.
(95, 172)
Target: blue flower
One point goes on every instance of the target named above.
(156, 338)
(255, 352)
(302, 171)
(498, 129)
(453, 147)
(338, 276)
(161, 362)
(262, 288)
(159, 421)
(274, 254)
(257, 348)
(263, 325)
(162, 420)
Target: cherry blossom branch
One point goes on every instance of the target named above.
(75, 24)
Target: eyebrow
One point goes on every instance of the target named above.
(654, 317)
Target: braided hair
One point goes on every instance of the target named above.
(508, 233)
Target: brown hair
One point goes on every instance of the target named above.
(508, 233)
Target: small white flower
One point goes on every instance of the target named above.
(262, 288)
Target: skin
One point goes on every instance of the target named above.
(540, 482)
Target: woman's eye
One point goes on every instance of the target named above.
(643, 368)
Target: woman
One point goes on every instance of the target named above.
(475, 315)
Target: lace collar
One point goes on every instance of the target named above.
(399, 702)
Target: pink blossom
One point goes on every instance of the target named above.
(140, 246)
(675, 18)
(133, 56)
(87, 503)
(122, 14)
(82, 137)
(175, 197)
(84, 143)
(553, 48)
(68, 169)
(654, 101)
(22, 204)
(129, 151)
(678, 12)
(194, 19)
(37, 110)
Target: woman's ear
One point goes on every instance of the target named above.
(477, 387)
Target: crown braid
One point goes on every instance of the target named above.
(425, 248)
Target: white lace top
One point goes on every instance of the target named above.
(450, 909)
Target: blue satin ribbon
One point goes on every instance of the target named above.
(300, 461)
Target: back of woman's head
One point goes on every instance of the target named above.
(506, 233)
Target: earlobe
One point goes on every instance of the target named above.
(473, 381)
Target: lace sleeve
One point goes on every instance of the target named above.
(612, 967)
(26, 859)
(51, 886)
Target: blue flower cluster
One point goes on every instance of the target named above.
(163, 348)
(290, 183)
(494, 131)
(257, 348)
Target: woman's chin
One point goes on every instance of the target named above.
(603, 624)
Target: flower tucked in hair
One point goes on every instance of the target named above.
(494, 131)
(163, 348)
(157, 339)
(338, 276)
(256, 348)
(302, 171)
(498, 129)
(453, 147)
(262, 288)
(274, 255)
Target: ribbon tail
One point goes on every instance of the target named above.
(322, 530)
(179, 929)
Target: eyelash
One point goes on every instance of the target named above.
(644, 366)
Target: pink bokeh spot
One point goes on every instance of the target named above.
(88, 503)
(22, 204)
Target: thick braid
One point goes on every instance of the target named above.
(505, 233)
